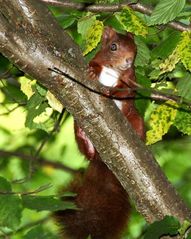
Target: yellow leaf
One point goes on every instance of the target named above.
(160, 121)
(53, 102)
(184, 49)
(182, 53)
(26, 86)
(93, 36)
(131, 22)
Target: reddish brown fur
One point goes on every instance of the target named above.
(102, 201)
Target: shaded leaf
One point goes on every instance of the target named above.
(168, 226)
(10, 206)
(38, 233)
(143, 53)
(184, 87)
(48, 203)
(166, 47)
(183, 121)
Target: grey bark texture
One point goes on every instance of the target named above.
(31, 39)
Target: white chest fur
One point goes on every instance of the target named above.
(109, 77)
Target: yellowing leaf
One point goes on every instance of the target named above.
(53, 102)
(184, 49)
(93, 36)
(181, 52)
(183, 121)
(131, 22)
(26, 86)
(160, 121)
(170, 63)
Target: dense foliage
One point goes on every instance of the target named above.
(38, 153)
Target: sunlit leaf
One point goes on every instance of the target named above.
(27, 86)
(93, 36)
(181, 52)
(131, 22)
(166, 10)
(160, 121)
(84, 24)
(53, 102)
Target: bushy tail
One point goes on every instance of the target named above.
(103, 206)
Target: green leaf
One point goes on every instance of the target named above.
(131, 22)
(93, 36)
(168, 226)
(166, 10)
(10, 206)
(38, 233)
(183, 121)
(184, 49)
(13, 94)
(84, 24)
(38, 116)
(184, 227)
(143, 53)
(160, 121)
(166, 47)
(142, 103)
(68, 21)
(184, 86)
(181, 52)
(47, 203)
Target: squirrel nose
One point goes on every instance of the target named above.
(129, 62)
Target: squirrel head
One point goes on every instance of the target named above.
(118, 51)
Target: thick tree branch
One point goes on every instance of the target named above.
(32, 39)
(114, 8)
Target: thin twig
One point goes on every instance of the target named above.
(13, 109)
(38, 190)
(40, 160)
(113, 8)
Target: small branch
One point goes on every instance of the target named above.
(42, 161)
(155, 95)
(38, 190)
(54, 130)
(13, 109)
(113, 8)
(44, 141)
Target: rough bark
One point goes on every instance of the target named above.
(31, 38)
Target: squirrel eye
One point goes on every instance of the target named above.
(113, 47)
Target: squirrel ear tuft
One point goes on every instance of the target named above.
(108, 33)
(129, 34)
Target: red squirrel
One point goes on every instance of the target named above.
(103, 206)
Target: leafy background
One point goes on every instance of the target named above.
(38, 153)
